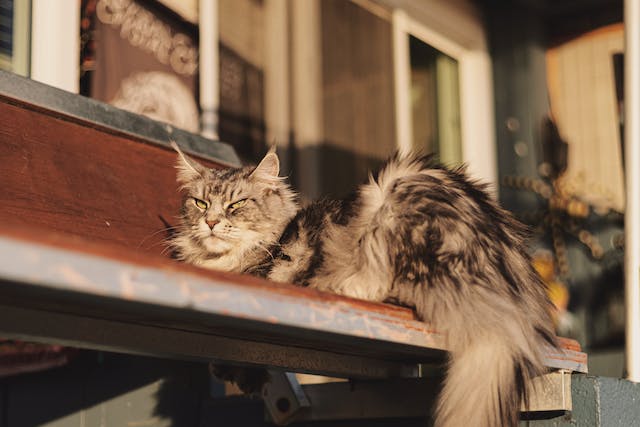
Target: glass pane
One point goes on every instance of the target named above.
(6, 30)
(141, 59)
(14, 36)
(435, 102)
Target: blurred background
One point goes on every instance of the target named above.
(528, 93)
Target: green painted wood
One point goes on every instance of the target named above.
(598, 402)
(619, 402)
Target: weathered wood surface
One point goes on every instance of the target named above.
(144, 298)
(79, 293)
(70, 177)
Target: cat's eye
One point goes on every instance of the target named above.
(200, 203)
(236, 205)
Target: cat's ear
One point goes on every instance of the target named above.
(269, 166)
(188, 169)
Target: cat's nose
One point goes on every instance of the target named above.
(211, 223)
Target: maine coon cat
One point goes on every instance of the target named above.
(419, 235)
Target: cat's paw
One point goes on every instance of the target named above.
(248, 380)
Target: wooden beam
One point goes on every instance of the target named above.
(43, 271)
(78, 170)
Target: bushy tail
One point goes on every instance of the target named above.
(485, 385)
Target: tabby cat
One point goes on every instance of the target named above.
(419, 235)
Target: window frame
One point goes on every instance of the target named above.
(477, 113)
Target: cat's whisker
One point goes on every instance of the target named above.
(160, 231)
(155, 233)
(264, 248)
(167, 244)
(163, 243)
(234, 235)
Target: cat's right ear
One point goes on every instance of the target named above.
(188, 169)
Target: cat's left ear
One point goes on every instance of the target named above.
(269, 166)
(188, 169)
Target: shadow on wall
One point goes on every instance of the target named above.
(106, 389)
(326, 170)
(109, 389)
(319, 170)
(241, 411)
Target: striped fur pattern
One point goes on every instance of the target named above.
(419, 235)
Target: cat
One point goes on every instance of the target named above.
(419, 235)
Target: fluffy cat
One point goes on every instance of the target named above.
(419, 235)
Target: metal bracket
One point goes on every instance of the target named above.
(284, 397)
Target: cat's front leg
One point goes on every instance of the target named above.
(360, 285)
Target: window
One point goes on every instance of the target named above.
(435, 102)
(444, 85)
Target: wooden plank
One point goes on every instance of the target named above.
(146, 337)
(70, 177)
(152, 291)
(41, 241)
(75, 165)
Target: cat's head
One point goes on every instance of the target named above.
(231, 217)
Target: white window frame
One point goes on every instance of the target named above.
(476, 83)
(55, 43)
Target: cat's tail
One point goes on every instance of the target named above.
(485, 384)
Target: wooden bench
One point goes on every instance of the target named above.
(87, 193)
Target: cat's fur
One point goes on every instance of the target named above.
(419, 235)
